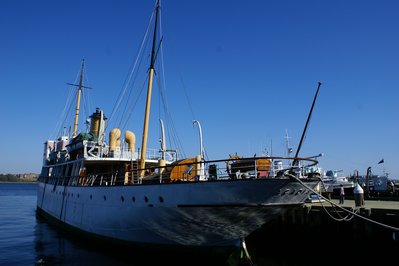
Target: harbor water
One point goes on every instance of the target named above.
(26, 239)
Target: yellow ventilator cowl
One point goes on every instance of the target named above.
(130, 139)
(114, 136)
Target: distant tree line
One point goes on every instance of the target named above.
(15, 178)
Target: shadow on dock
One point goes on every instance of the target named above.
(318, 235)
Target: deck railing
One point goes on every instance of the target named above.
(195, 171)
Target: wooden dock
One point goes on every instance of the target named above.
(368, 204)
(321, 233)
(376, 212)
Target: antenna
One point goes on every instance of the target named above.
(287, 141)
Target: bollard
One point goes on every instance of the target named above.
(359, 195)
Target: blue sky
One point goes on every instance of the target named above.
(249, 69)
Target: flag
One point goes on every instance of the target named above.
(382, 161)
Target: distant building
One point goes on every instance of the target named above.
(29, 176)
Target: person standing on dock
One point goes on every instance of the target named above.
(341, 195)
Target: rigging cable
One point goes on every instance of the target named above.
(162, 93)
(64, 114)
(130, 101)
(170, 123)
(132, 104)
(86, 99)
(132, 70)
(187, 98)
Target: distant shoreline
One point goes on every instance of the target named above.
(18, 182)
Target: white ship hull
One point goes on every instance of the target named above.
(219, 213)
(108, 188)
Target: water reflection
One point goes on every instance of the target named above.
(55, 246)
(314, 240)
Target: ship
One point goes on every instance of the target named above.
(100, 184)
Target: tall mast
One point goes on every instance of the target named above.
(149, 91)
(306, 126)
(80, 86)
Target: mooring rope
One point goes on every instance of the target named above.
(347, 218)
(343, 209)
(246, 253)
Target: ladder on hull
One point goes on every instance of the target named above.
(132, 173)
